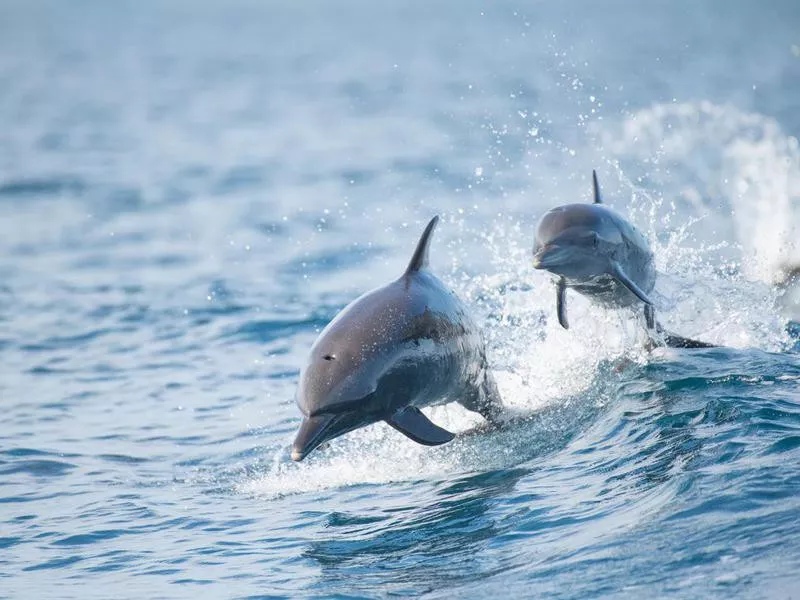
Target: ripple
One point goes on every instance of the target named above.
(122, 458)
(62, 342)
(334, 260)
(274, 329)
(90, 538)
(786, 444)
(9, 542)
(38, 468)
(169, 256)
(56, 563)
(42, 187)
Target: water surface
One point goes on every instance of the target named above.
(189, 192)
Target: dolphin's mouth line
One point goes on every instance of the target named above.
(550, 256)
(312, 433)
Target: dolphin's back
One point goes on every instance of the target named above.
(613, 239)
(595, 217)
(634, 258)
(394, 350)
(627, 248)
(412, 337)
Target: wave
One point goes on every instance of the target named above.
(558, 382)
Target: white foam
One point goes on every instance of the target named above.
(537, 365)
(717, 197)
(737, 171)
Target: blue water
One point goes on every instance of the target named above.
(190, 191)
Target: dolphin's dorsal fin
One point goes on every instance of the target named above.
(420, 258)
(596, 187)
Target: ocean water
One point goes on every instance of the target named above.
(190, 191)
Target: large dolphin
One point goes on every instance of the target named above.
(593, 250)
(400, 347)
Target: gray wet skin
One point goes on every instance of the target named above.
(595, 251)
(396, 349)
(588, 245)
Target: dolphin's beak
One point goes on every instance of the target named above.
(314, 431)
(549, 256)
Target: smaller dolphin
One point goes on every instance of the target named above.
(394, 350)
(593, 250)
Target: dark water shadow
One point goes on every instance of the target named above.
(430, 546)
(420, 549)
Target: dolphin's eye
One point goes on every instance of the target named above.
(329, 357)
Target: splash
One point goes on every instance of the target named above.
(723, 220)
(717, 190)
(552, 382)
(379, 455)
(735, 172)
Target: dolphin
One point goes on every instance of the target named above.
(394, 350)
(598, 253)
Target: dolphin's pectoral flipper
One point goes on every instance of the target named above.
(650, 317)
(413, 424)
(561, 302)
(622, 277)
